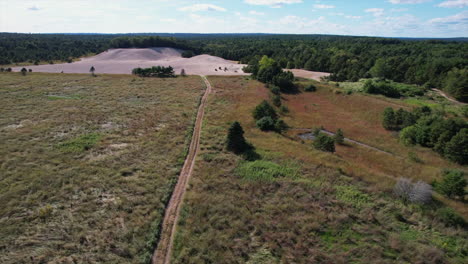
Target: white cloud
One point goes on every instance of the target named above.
(202, 7)
(272, 3)
(454, 3)
(33, 8)
(398, 9)
(255, 13)
(375, 11)
(322, 6)
(408, 1)
(458, 19)
(354, 17)
(169, 20)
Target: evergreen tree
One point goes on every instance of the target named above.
(235, 139)
(92, 70)
(264, 109)
(24, 71)
(453, 183)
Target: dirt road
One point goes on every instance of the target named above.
(162, 253)
(447, 97)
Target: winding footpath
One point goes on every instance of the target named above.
(162, 253)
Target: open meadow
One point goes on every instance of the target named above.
(295, 204)
(87, 164)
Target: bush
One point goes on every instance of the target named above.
(275, 90)
(264, 109)
(457, 149)
(450, 218)
(310, 88)
(339, 137)
(324, 143)
(280, 126)
(453, 183)
(277, 100)
(419, 192)
(187, 54)
(155, 71)
(284, 109)
(266, 123)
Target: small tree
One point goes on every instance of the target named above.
(92, 70)
(339, 137)
(182, 73)
(277, 100)
(310, 88)
(457, 149)
(281, 126)
(24, 71)
(266, 123)
(324, 143)
(264, 109)
(388, 121)
(30, 70)
(235, 139)
(453, 183)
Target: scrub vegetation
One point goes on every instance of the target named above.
(88, 163)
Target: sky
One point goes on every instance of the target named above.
(389, 18)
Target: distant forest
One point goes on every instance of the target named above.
(433, 63)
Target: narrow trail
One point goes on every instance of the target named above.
(308, 136)
(162, 253)
(447, 97)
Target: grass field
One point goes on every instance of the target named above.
(88, 163)
(300, 205)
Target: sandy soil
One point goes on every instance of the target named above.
(162, 253)
(122, 61)
(309, 74)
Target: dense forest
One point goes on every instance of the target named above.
(433, 63)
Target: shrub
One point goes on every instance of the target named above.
(339, 137)
(264, 109)
(275, 90)
(235, 141)
(284, 109)
(277, 100)
(187, 54)
(419, 192)
(324, 143)
(155, 71)
(453, 183)
(266, 123)
(310, 88)
(457, 149)
(450, 218)
(280, 126)
(24, 71)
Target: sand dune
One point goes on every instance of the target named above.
(122, 61)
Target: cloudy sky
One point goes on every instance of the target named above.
(392, 18)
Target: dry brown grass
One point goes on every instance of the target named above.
(87, 164)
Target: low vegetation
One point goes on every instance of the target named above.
(155, 71)
(87, 164)
(290, 206)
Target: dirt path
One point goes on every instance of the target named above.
(309, 135)
(162, 253)
(447, 97)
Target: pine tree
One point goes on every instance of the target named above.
(92, 70)
(389, 118)
(235, 139)
(24, 71)
(457, 149)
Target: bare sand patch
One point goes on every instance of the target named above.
(309, 74)
(123, 61)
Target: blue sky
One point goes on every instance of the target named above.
(392, 18)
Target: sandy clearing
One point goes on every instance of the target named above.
(123, 61)
(309, 74)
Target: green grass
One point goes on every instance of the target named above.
(85, 176)
(81, 143)
(352, 196)
(261, 170)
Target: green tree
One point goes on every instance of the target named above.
(264, 109)
(457, 149)
(235, 141)
(280, 126)
(92, 70)
(24, 71)
(453, 183)
(456, 84)
(324, 143)
(339, 137)
(266, 123)
(389, 119)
